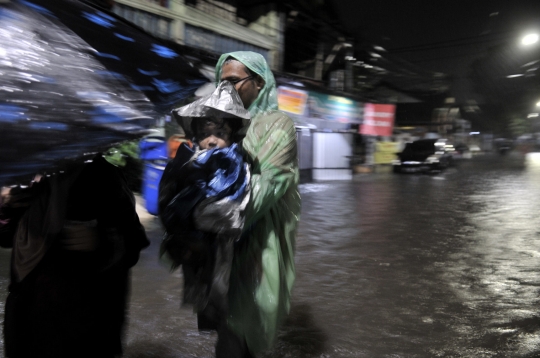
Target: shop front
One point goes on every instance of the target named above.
(324, 125)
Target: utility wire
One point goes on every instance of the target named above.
(465, 41)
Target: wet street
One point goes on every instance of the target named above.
(388, 265)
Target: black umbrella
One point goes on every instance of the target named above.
(75, 79)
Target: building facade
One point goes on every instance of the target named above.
(208, 25)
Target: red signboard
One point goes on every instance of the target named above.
(378, 119)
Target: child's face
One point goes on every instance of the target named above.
(211, 135)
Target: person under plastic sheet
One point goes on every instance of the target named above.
(263, 270)
(202, 197)
(74, 235)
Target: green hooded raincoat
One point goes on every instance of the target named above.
(263, 270)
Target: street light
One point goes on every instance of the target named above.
(529, 39)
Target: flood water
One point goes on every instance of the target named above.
(388, 265)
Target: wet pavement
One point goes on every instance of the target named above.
(388, 265)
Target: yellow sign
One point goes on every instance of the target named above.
(291, 100)
(385, 152)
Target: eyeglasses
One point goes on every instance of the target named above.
(238, 81)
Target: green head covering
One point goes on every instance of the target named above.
(267, 99)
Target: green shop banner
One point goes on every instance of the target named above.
(334, 108)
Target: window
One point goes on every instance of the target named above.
(212, 41)
(156, 25)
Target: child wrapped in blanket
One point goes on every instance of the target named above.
(202, 198)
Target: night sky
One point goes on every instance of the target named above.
(416, 28)
(449, 36)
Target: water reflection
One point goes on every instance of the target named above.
(387, 266)
(300, 335)
(425, 265)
